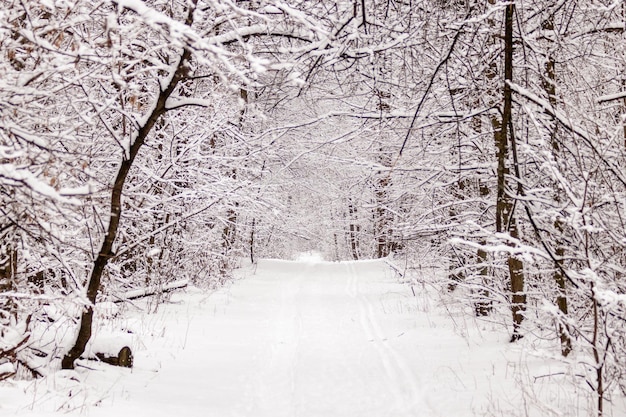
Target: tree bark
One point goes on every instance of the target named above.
(381, 216)
(484, 305)
(505, 216)
(251, 242)
(106, 249)
(354, 231)
(8, 272)
(549, 85)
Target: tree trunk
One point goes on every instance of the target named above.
(484, 305)
(381, 223)
(8, 272)
(106, 250)
(228, 239)
(354, 231)
(505, 216)
(252, 229)
(229, 233)
(457, 262)
(549, 85)
(623, 75)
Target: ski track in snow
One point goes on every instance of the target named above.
(400, 380)
(298, 339)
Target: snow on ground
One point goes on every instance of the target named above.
(309, 338)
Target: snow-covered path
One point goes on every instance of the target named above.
(305, 339)
(319, 347)
(296, 339)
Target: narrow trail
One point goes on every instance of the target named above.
(324, 352)
(296, 340)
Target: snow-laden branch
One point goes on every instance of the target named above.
(187, 36)
(156, 19)
(15, 174)
(611, 97)
(176, 103)
(258, 30)
(517, 249)
(303, 19)
(569, 125)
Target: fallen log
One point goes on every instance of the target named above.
(124, 358)
(111, 348)
(152, 290)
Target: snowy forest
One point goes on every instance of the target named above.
(150, 145)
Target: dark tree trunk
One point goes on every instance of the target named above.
(354, 231)
(549, 85)
(484, 305)
(458, 262)
(252, 229)
(106, 250)
(505, 216)
(228, 239)
(8, 272)
(381, 214)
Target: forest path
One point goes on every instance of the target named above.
(323, 351)
(296, 339)
(293, 339)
